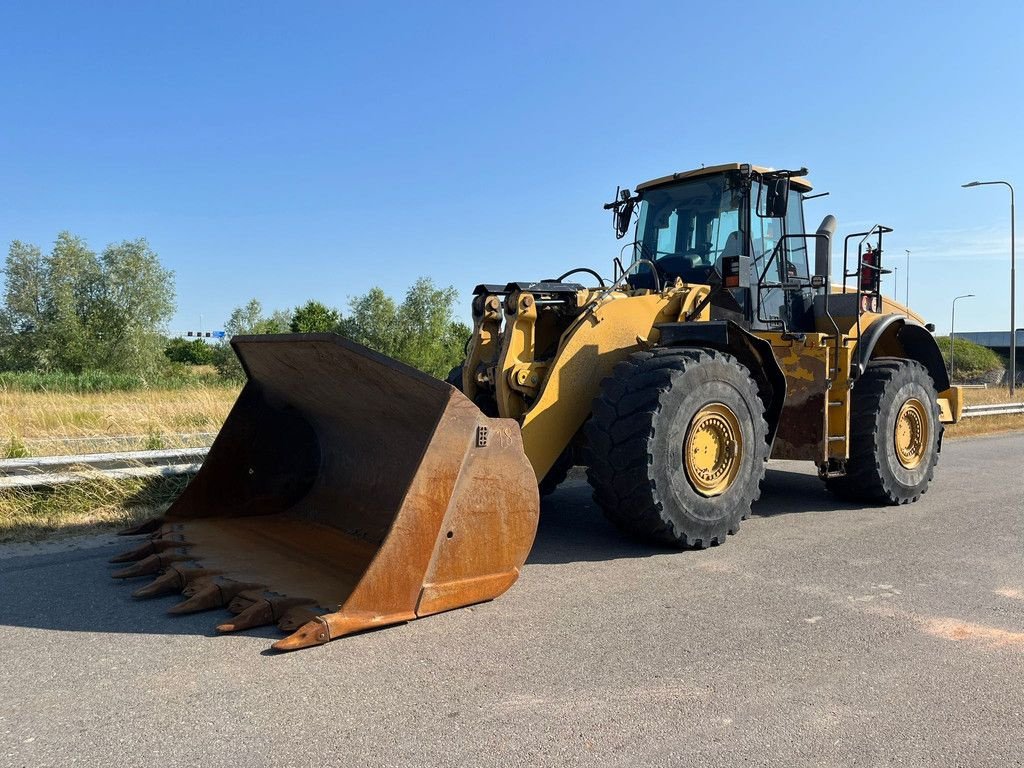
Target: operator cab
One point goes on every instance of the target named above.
(688, 223)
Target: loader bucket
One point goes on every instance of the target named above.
(346, 491)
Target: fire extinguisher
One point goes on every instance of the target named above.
(869, 279)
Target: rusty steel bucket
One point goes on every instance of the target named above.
(346, 491)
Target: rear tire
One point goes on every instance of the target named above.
(677, 445)
(895, 435)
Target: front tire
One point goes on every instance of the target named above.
(895, 435)
(677, 445)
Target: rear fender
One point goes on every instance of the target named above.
(896, 336)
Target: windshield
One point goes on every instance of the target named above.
(686, 227)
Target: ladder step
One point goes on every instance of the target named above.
(836, 439)
(835, 403)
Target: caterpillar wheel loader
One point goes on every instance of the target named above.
(347, 491)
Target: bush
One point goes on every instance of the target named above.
(175, 377)
(194, 352)
(971, 359)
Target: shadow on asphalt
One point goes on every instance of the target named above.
(573, 529)
(72, 591)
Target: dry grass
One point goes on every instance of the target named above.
(988, 425)
(97, 504)
(54, 423)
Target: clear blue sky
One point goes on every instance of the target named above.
(313, 151)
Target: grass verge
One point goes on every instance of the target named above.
(62, 423)
(91, 506)
(988, 425)
(49, 423)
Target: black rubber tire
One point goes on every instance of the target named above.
(485, 403)
(873, 472)
(558, 472)
(455, 377)
(635, 439)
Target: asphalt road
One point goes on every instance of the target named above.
(822, 634)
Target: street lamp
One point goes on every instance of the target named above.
(952, 333)
(1013, 281)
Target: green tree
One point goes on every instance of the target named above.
(72, 310)
(421, 331)
(314, 317)
(194, 352)
(134, 299)
(245, 321)
(22, 316)
(72, 277)
(373, 321)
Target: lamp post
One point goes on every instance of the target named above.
(1013, 281)
(952, 333)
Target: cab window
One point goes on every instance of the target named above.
(763, 237)
(686, 227)
(796, 247)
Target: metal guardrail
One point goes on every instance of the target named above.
(993, 409)
(58, 470)
(119, 442)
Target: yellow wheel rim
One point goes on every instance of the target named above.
(713, 449)
(912, 435)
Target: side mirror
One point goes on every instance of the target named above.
(776, 198)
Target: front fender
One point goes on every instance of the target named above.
(754, 352)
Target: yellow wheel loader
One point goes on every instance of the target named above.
(348, 491)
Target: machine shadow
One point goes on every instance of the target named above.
(573, 529)
(72, 591)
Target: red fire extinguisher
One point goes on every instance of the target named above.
(869, 279)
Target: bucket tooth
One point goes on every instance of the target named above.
(134, 554)
(201, 600)
(164, 584)
(173, 580)
(266, 608)
(196, 585)
(315, 632)
(295, 617)
(207, 592)
(144, 567)
(147, 526)
(151, 547)
(244, 599)
(231, 588)
(149, 565)
(257, 614)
